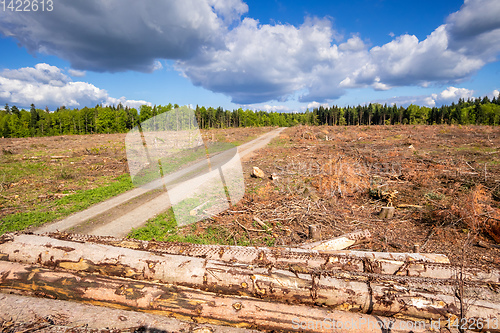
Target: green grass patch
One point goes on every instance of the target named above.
(279, 142)
(476, 149)
(434, 196)
(164, 228)
(59, 208)
(13, 170)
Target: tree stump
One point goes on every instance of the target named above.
(314, 232)
(387, 213)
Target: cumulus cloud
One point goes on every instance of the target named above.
(251, 62)
(46, 85)
(125, 102)
(452, 94)
(229, 10)
(475, 29)
(447, 96)
(468, 40)
(263, 62)
(271, 108)
(118, 35)
(315, 105)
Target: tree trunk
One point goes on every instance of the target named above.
(178, 302)
(409, 264)
(338, 285)
(68, 316)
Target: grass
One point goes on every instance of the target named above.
(164, 228)
(434, 196)
(476, 148)
(59, 208)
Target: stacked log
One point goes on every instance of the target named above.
(261, 288)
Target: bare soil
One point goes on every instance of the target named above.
(444, 181)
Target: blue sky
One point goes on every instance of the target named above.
(271, 55)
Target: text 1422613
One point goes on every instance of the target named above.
(27, 5)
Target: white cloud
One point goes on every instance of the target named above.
(475, 29)
(125, 102)
(452, 52)
(315, 105)
(77, 73)
(263, 62)
(377, 85)
(46, 85)
(266, 107)
(157, 65)
(274, 108)
(447, 96)
(453, 94)
(251, 62)
(41, 73)
(118, 35)
(229, 10)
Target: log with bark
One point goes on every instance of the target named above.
(35, 314)
(184, 303)
(427, 265)
(339, 287)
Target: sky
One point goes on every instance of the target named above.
(272, 55)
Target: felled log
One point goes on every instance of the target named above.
(341, 242)
(181, 302)
(355, 291)
(246, 254)
(68, 316)
(427, 265)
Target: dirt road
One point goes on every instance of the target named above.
(119, 215)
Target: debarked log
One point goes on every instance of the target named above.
(341, 242)
(190, 304)
(379, 294)
(428, 265)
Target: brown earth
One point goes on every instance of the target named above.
(341, 177)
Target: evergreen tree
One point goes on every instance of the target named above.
(15, 111)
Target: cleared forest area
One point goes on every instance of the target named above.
(444, 182)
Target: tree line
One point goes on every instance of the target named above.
(15, 123)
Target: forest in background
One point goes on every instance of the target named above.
(15, 123)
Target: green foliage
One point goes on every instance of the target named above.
(110, 119)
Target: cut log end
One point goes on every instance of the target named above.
(387, 212)
(314, 232)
